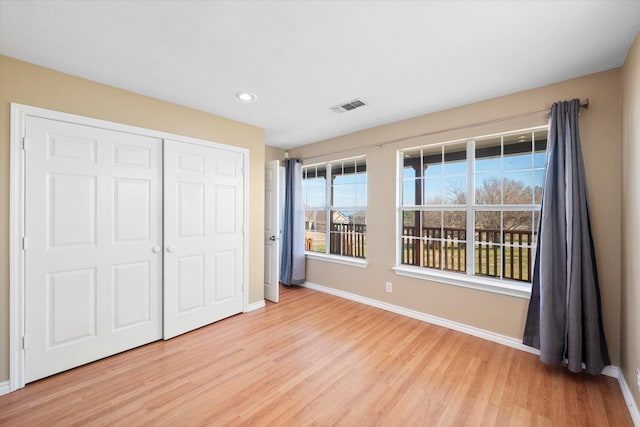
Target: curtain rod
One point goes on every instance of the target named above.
(584, 105)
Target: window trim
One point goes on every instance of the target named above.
(467, 279)
(498, 286)
(338, 259)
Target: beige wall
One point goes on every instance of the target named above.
(25, 83)
(273, 153)
(600, 131)
(630, 328)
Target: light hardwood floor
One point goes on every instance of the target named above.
(315, 359)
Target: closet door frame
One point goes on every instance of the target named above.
(18, 243)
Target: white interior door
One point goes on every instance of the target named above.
(204, 241)
(272, 230)
(93, 237)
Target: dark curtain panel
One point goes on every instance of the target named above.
(564, 319)
(292, 267)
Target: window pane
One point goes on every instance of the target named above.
(339, 227)
(454, 247)
(538, 182)
(517, 227)
(408, 172)
(410, 219)
(412, 162)
(339, 179)
(336, 169)
(488, 188)
(314, 187)
(518, 236)
(359, 217)
(518, 161)
(409, 189)
(517, 151)
(315, 196)
(361, 167)
(487, 260)
(431, 254)
(433, 191)
(344, 195)
(540, 148)
(455, 159)
(517, 263)
(361, 194)
(336, 195)
(488, 226)
(517, 188)
(433, 169)
(347, 238)
(455, 225)
(432, 161)
(540, 159)
(339, 217)
(431, 224)
(488, 152)
(411, 185)
(315, 226)
(455, 190)
(315, 220)
(410, 248)
(487, 249)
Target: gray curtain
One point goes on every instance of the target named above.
(292, 268)
(564, 319)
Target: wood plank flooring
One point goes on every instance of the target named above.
(318, 360)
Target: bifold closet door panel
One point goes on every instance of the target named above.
(203, 235)
(93, 281)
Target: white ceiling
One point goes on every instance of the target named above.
(300, 58)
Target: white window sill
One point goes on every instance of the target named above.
(354, 262)
(504, 287)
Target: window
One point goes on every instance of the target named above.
(336, 192)
(471, 208)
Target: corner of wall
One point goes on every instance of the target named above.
(630, 223)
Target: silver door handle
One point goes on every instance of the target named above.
(170, 248)
(272, 238)
(156, 249)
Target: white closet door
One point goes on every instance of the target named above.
(93, 244)
(204, 243)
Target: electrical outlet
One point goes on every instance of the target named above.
(389, 287)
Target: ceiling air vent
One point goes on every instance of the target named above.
(348, 106)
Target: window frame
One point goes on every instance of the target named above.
(468, 278)
(329, 207)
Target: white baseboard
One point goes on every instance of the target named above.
(610, 371)
(616, 372)
(4, 387)
(255, 305)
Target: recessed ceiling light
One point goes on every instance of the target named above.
(246, 96)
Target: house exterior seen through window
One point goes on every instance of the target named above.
(471, 208)
(335, 207)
